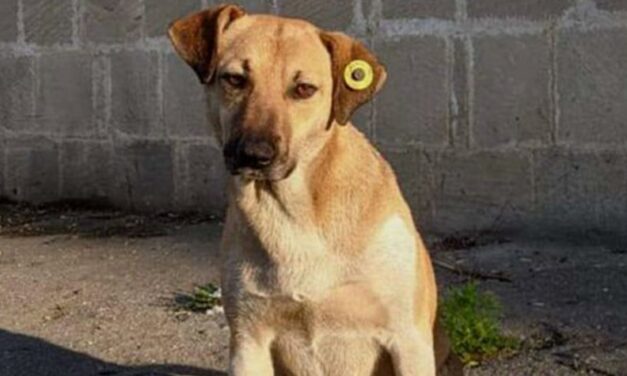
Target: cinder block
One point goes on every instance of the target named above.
(251, 6)
(135, 101)
(527, 9)
(579, 191)
(592, 85)
(64, 95)
(2, 167)
(32, 170)
(159, 14)
(144, 175)
(612, 5)
(413, 105)
(184, 101)
(101, 73)
(86, 170)
(332, 14)
(481, 191)
(112, 21)
(8, 21)
(203, 179)
(512, 103)
(362, 119)
(414, 173)
(48, 22)
(419, 9)
(17, 81)
(459, 112)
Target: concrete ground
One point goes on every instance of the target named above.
(93, 293)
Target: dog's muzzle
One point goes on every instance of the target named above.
(257, 159)
(249, 154)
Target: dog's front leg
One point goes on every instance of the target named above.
(251, 356)
(411, 354)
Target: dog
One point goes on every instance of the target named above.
(323, 272)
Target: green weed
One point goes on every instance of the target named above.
(471, 319)
(204, 298)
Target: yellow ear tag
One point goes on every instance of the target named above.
(358, 75)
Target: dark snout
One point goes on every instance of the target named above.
(253, 153)
(258, 158)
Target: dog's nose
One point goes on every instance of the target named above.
(255, 153)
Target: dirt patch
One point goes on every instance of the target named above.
(92, 292)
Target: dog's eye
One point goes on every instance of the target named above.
(304, 91)
(236, 81)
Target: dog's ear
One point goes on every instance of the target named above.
(196, 37)
(357, 74)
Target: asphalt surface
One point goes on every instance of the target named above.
(94, 293)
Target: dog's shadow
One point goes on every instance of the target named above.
(22, 355)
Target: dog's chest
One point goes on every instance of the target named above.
(280, 251)
(292, 266)
(292, 263)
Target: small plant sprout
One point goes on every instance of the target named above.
(471, 318)
(205, 298)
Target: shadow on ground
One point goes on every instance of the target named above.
(89, 219)
(22, 355)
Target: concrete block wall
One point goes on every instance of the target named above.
(497, 114)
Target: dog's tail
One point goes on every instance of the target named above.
(447, 363)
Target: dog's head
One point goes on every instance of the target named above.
(275, 85)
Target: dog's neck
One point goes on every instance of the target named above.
(337, 186)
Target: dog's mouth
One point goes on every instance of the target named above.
(275, 172)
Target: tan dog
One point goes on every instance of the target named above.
(324, 273)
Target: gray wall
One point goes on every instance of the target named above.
(498, 114)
